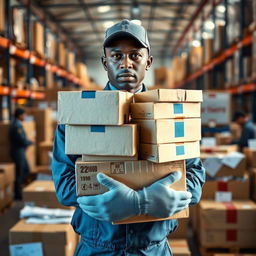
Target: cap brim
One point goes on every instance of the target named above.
(119, 35)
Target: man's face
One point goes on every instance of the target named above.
(126, 62)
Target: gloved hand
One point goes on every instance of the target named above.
(121, 202)
(159, 200)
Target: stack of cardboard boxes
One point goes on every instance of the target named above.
(97, 128)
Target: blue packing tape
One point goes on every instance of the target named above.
(178, 108)
(179, 129)
(97, 128)
(180, 150)
(88, 94)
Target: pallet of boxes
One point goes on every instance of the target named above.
(165, 127)
(225, 219)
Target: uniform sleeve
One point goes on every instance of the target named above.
(19, 136)
(63, 170)
(195, 178)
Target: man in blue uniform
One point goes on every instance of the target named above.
(247, 129)
(19, 143)
(126, 58)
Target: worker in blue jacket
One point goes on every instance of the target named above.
(126, 58)
(19, 143)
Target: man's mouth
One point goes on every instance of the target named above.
(126, 75)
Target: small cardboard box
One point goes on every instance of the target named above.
(134, 174)
(101, 140)
(44, 148)
(182, 230)
(56, 239)
(160, 153)
(8, 170)
(169, 95)
(89, 158)
(238, 188)
(169, 130)
(94, 107)
(150, 110)
(41, 193)
(179, 247)
(227, 224)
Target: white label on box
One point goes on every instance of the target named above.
(246, 206)
(30, 249)
(208, 142)
(252, 143)
(212, 165)
(223, 196)
(216, 108)
(233, 159)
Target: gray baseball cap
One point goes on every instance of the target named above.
(127, 28)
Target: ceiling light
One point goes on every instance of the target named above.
(196, 43)
(209, 25)
(221, 8)
(205, 35)
(104, 8)
(108, 24)
(138, 22)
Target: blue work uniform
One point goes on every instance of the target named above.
(247, 132)
(19, 143)
(103, 238)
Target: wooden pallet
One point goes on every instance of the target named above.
(210, 251)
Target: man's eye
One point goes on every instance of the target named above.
(136, 55)
(116, 56)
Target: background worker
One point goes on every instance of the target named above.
(19, 143)
(247, 129)
(126, 58)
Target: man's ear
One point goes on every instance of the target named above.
(104, 62)
(149, 62)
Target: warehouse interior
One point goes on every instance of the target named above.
(199, 107)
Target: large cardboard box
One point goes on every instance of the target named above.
(227, 224)
(179, 247)
(169, 95)
(208, 50)
(250, 157)
(18, 25)
(238, 188)
(90, 158)
(45, 148)
(169, 130)
(71, 62)
(56, 239)
(41, 193)
(101, 140)
(62, 55)
(152, 110)
(134, 174)
(169, 152)
(50, 47)
(163, 76)
(38, 38)
(219, 165)
(2, 187)
(94, 107)
(182, 230)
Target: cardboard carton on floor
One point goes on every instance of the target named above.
(90, 158)
(134, 174)
(182, 231)
(94, 107)
(219, 165)
(227, 224)
(151, 110)
(160, 153)
(169, 130)
(41, 193)
(101, 140)
(234, 188)
(169, 95)
(179, 247)
(56, 239)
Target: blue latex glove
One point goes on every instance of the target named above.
(121, 202)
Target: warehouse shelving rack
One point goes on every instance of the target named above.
(243, 93)
(10, 50)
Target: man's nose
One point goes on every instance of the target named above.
(126, 62)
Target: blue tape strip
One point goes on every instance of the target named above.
(180, 150)
(178, 108)
(179, 129)
(97, 128)
(88, 94)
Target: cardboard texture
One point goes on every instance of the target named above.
(169, 130)
(240, 189)
(8, 170)
(163, 76)
(18, 23)
(250, 157)
(57, 239)
(152, 110)
(169, 95)
(38, 38)
(44, 148)
(101, 140)
(227, 224)
(179, 247)
(41, 193)
(62, 55)
(2, 16)
(134, 174)
(216, 168)
(89, 158)
(94, 107)
(181, 231)
(179, 68)
(169, 152)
